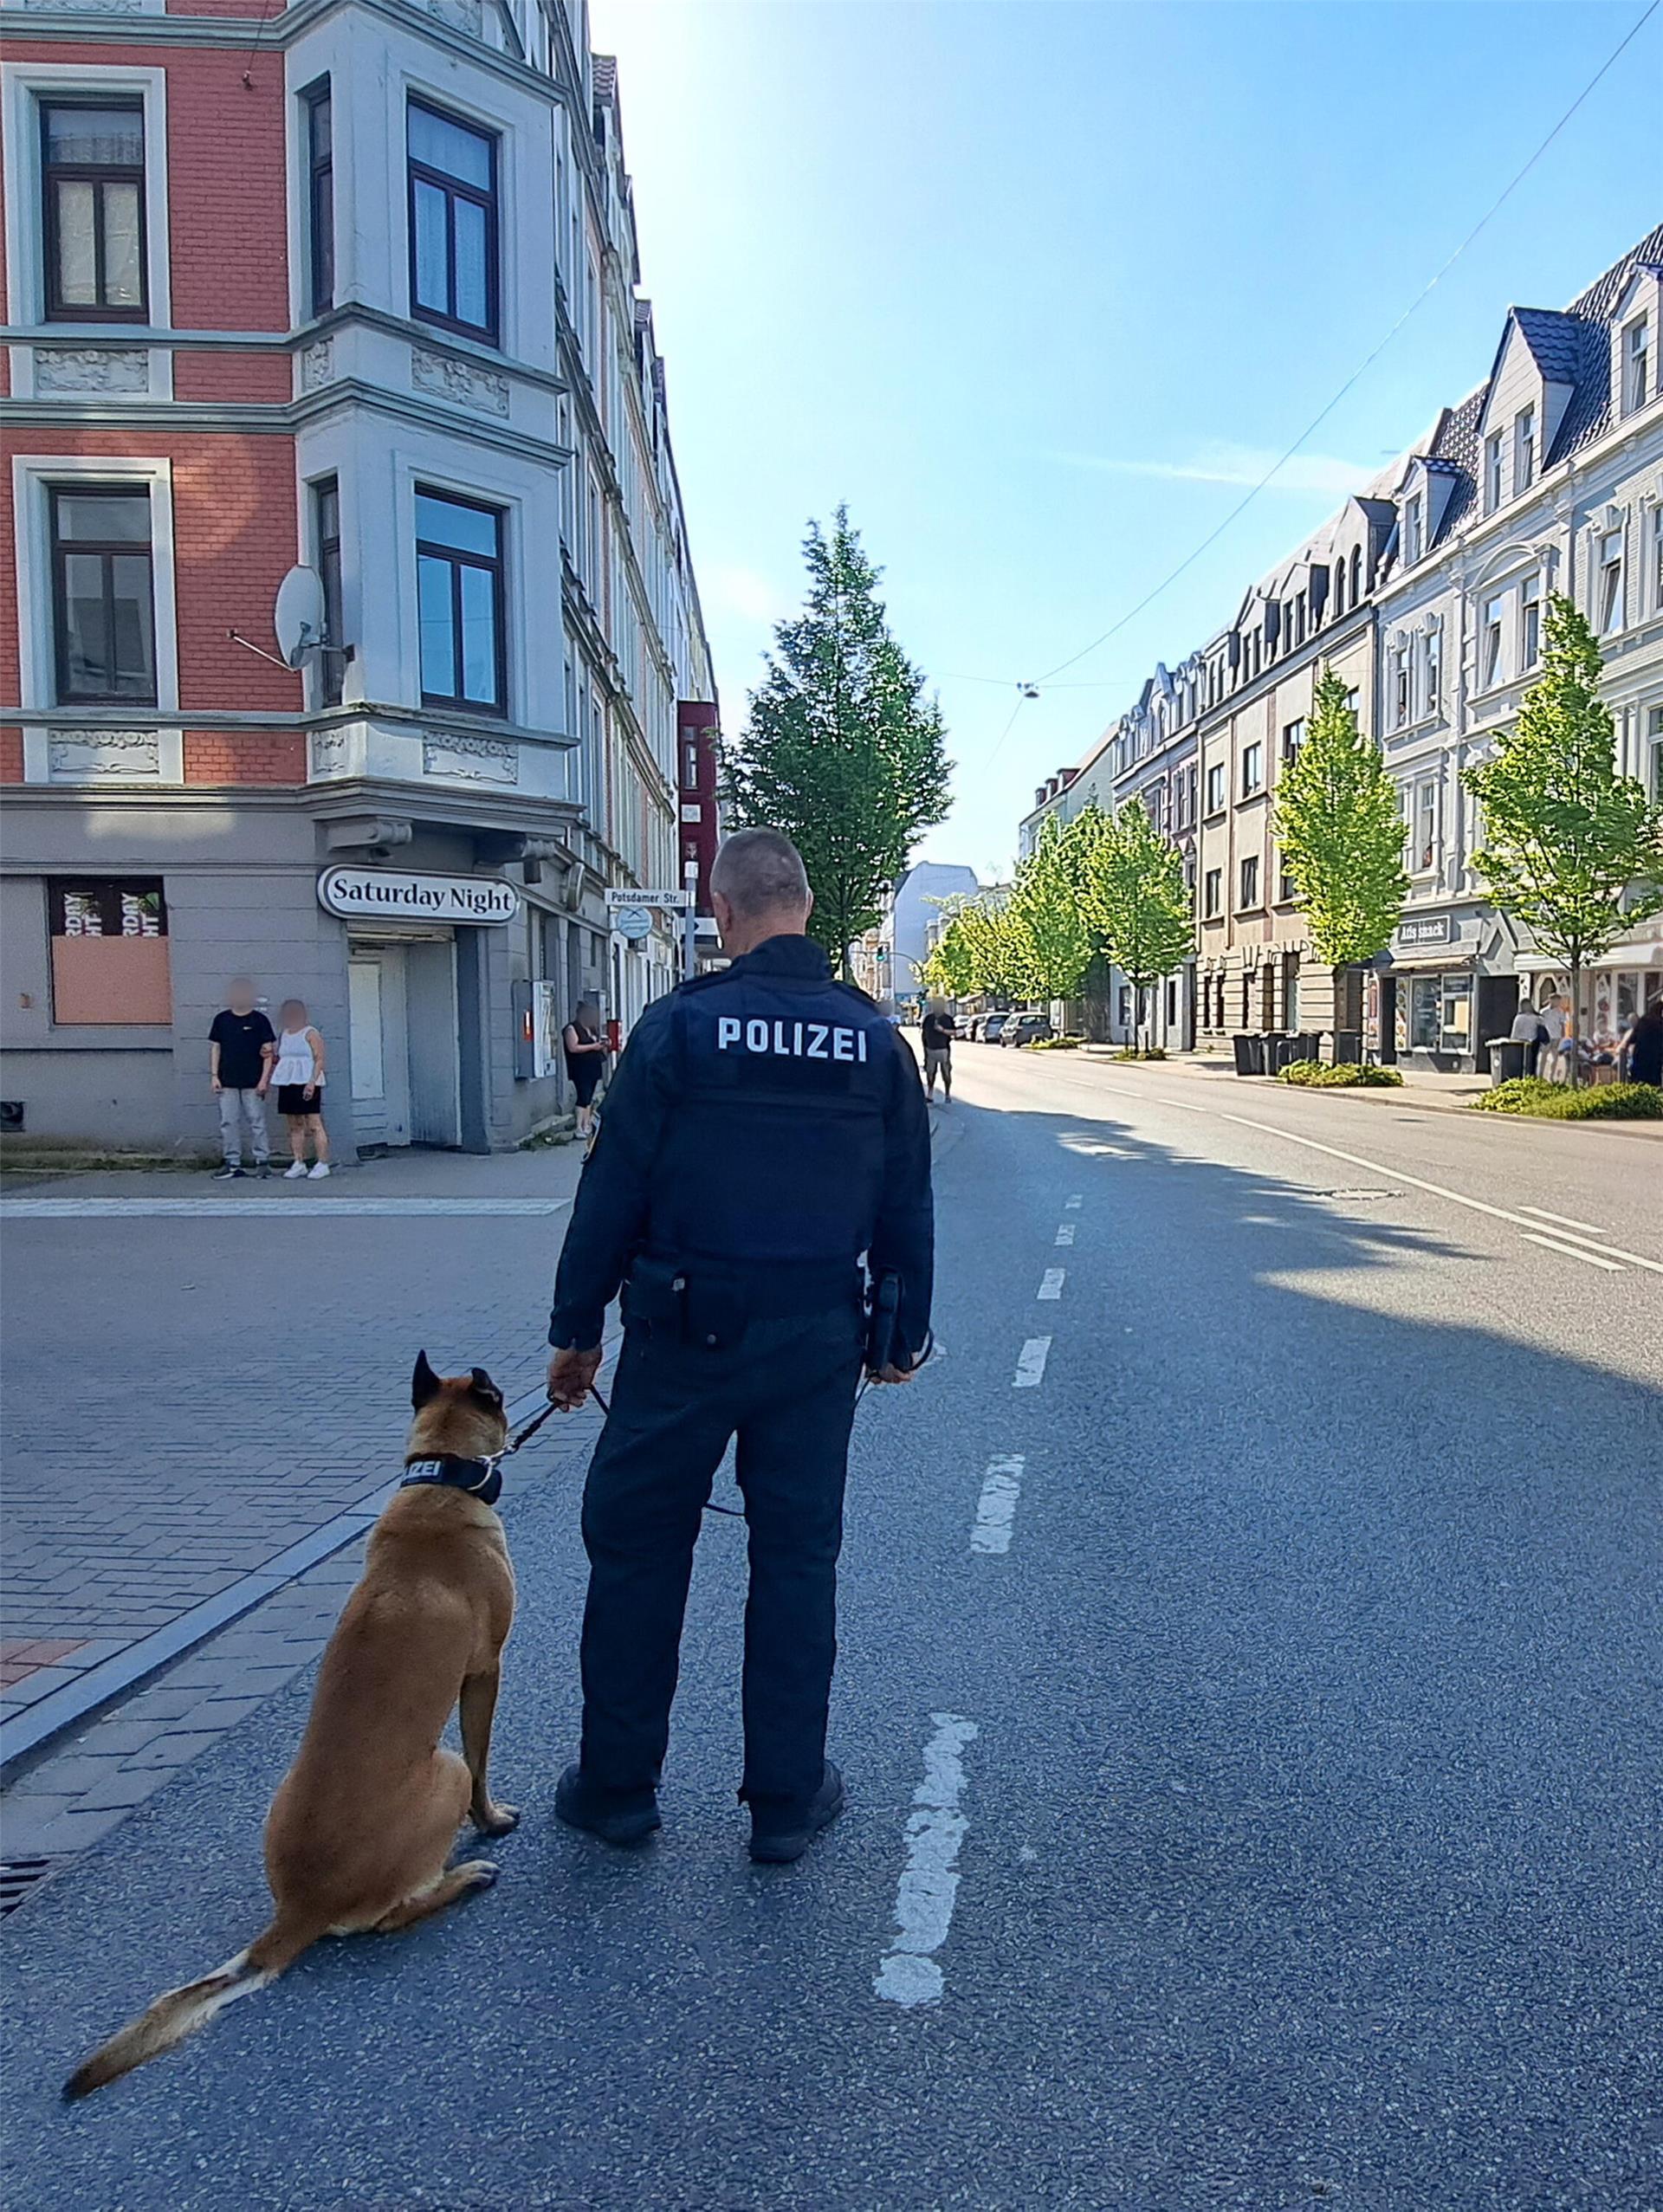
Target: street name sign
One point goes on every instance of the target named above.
(646, 898)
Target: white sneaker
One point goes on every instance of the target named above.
(291, 1174)
(318, 1170)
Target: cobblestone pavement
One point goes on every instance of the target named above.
(196, 1406)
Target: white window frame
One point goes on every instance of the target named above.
(1531, 594)
(1252, 790)
(1608, 583)
(1493, 462)
(1431, 670)
(1492, 630)
(1524, 469)
(1425, 850)
(1412, 510)
(1657, 558)
(23, 86)
(33, 476)
(1636, 391)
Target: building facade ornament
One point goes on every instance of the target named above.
(445, 378)
(471, 760)
(97, 755)
(91, 368)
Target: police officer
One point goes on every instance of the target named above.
(765, 1129)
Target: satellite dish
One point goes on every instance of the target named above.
(297, 617)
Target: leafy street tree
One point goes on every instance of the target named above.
(841, 751)
(1571, 848)
(950, 971)
(1338, 822)
(1052, 939)
(1137, 902)
(977, 950)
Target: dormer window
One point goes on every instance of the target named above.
(1493, 472)
(1357, 574)
(1412, 514)
(1523, 450)
(1636, 364)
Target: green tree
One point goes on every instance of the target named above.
(1338, 822)
(1571, 848)
(950, 971)
(841, 749)
(1050, 939)
(1138, 903)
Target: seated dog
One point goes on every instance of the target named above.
(362, 1824)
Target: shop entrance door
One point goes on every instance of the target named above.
(380, 1042)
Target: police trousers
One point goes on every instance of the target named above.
(785, 1390)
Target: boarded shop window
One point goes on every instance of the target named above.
(109, 951)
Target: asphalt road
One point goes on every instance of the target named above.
(1274, 1820)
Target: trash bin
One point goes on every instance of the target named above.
(1250, 1054)
(1348, 1047)
(1308, 1046)
(1278, 1051)
(1507, 1059)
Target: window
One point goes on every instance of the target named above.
(1213, 894)
(1215, 788)
(103, 605)
(1412, 531)
(108, 951)
(1253, 769)
(1492, 473)
(1636, 364)
(1608, 601)
(459, 602)
(326, 523)
(452, 222)
(1494, 613)
(1189, 777)
(1293, 736)
(1530, 629)
(1425, 825)
(1655, 736)
(1249, 881)
(1433, 666)
(319, 198)
(1357, 574)
(1399, 686)
(1286, 890)
(92, 210)
(1657, 558)
(1524, 450)
(1339, 586)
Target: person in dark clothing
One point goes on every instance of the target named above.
(939, 1030)
(1644, 1046)
(585, 1052)
(765, 1130)
(241, 1046)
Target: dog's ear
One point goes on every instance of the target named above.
(424, 1384)
(485, 1388)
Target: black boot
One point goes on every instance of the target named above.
(783, 1827)
(617, 1816)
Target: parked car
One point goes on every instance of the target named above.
(1023, 1029)
(991, 1026)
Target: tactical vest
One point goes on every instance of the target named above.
(773, 1154)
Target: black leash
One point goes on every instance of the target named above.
(731, 1512)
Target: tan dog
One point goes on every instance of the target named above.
(363, 1823)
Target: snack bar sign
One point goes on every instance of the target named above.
(390, 895)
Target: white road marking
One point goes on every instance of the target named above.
(1563, 1219)
(1073, 1205)
(1573, 1252)
(996, 1507)
(908, 1974)
(1031, 1366)
(272, 1209)
(1052, 1284)
(1065, 1233)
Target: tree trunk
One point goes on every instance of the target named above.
(1573, 1027)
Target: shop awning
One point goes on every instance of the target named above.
(1646, 956)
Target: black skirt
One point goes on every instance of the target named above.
(585, 1075)
(292, 1099)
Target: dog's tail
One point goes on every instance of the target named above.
(178, 2013)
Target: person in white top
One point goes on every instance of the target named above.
(1528, 1031)
(298, 1074)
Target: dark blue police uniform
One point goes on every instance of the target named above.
(766, 1127)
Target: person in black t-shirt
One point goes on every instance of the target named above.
(241, 1045)
(939, 1030)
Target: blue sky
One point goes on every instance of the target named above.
(1036, 288)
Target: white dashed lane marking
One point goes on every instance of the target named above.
(1573, 1252)
(1031, 1364)
(1050, 1285)
(1065, 1233)
(1073, 1205)
(908, 1974)
(1592, 1228)
(996, 1508)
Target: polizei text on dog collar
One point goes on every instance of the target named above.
(386, 894)
(791, 1040)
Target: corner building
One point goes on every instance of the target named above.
(356, 289)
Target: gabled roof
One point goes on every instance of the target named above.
(1554, 341)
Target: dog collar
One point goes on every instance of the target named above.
(479, 1478)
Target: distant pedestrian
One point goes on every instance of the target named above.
(299, 1077)
(241, 1045)
(1643, 1043)
(1528, 1031)
(939, 1030)
(1555, 1062)
(585, 1056)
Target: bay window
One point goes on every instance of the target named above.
(453, 223)
(459, 602)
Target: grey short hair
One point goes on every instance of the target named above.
(761, 872)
